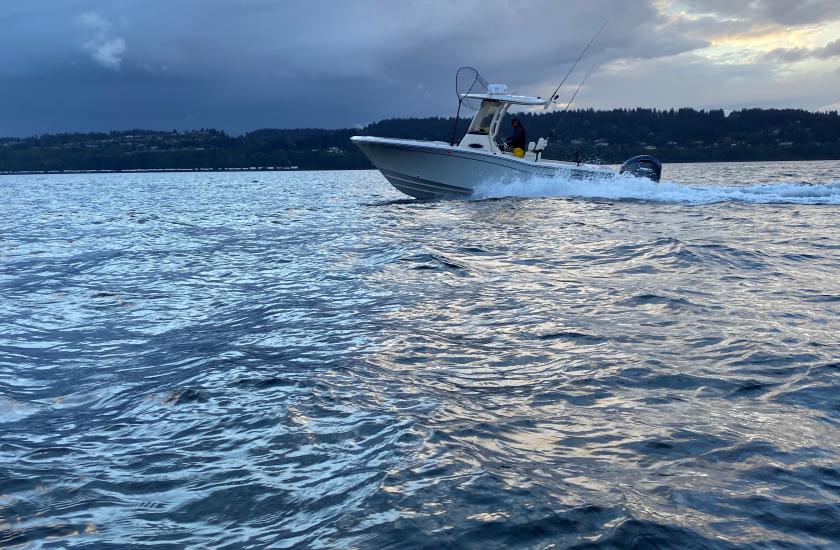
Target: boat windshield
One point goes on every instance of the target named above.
(484, 118)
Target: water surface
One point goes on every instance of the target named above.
(278, 359)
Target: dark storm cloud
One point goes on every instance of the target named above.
(783, 12)
(791, 55)
(93, 65)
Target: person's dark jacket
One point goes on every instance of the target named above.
(517, 139)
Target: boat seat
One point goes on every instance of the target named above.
(538, 148)
(531, 146)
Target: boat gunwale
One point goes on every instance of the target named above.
(442, 148)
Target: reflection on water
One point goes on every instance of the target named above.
(309, 359)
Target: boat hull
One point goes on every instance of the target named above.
(438, 170)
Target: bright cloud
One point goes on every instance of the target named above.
(105, 49)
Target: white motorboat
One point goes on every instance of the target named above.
(437, 169)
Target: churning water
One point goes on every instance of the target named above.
(252, 360)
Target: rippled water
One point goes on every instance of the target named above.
(311, 360)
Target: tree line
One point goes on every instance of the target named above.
(608, 136)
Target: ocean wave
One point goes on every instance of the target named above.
(301, 364)
(630, 188)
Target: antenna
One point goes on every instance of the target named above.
(553, 95)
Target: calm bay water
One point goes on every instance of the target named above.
(250, 360)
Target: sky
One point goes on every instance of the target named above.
(241, 65)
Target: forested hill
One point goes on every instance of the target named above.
(606, 136)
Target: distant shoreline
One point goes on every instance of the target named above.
(598, 137)
(296, 169)
(152, 171)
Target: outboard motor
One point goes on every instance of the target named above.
(643, 166)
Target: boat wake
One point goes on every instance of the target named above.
(630, 188)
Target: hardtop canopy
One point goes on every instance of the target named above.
(507, 98)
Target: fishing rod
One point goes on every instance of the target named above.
(574, 95)
(569, 104)
(554, 95)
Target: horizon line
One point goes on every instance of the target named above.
(726, 112)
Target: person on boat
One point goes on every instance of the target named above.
(517, 142)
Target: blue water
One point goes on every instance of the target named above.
(248, 360)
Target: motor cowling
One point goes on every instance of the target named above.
(643, 166)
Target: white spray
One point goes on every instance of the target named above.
(629, 188)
